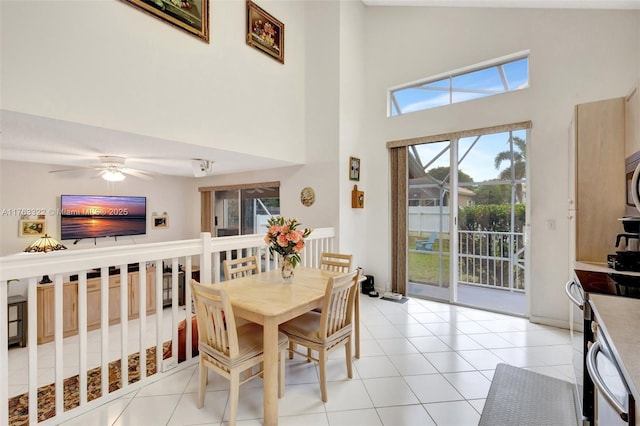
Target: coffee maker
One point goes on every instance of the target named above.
(627, 257)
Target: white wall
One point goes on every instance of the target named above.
(576, 56)
(106, 64)
(353, 222)
(30, 186)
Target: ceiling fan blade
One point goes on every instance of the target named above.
(136, 173)
(72, 169)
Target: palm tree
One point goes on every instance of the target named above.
(519, 163)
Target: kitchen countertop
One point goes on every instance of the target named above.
(619, 317)
(601, 267)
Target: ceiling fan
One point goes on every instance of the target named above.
(111, 168)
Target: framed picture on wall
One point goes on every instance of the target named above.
(160, 222)
(32, 228)
(354, 168)
(191, 16)
(264, 32)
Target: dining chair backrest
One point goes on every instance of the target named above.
(336, 262)
(240, 267)
(337, 306)
(216, 323)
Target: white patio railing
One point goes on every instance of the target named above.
(198, 256)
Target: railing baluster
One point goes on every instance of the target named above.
(142, 315)
(82, 336)
(104, 330)
(58, 336)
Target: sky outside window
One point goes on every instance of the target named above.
(460, 87)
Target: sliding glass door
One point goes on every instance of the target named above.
(244, 211)
(465, 230)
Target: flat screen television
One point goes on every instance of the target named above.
(95, 216)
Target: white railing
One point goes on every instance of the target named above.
(202, 255)
(491, 259)
(485, 259)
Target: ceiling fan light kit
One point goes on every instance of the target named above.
(113, 176)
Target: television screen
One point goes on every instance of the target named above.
(93, 216)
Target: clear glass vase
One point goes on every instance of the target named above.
(286, 268)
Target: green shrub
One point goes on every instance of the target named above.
(491, 217)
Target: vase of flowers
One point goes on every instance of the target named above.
(285, 239)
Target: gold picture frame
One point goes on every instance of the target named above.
(191, 16)
(161, 221)
(264, 32)
(354, 168)
(32, 228)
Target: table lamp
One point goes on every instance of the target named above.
(44, 244)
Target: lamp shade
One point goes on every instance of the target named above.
(44, 244)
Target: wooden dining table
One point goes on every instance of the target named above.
(265, 299)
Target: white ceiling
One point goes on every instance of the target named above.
(545, 4)
(49, 141)
(42, 140)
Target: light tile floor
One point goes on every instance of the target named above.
(422, 363)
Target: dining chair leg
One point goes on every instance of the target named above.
(281, 378)
(204, 372)
(357, 321)
(234, 396)
(290, 350)
(347, 352)
(323, 373)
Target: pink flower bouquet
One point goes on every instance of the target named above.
(284, 238)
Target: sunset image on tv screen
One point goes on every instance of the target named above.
(93, 216)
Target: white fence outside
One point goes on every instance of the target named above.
(203, 253)
(424, 219)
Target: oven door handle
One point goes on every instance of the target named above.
(634, 187)
(599, 383)
(567, 289)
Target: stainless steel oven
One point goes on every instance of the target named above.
(581, 337)
(613, 401)
(578, 290)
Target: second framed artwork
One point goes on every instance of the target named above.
(354, 168)
(264, 32)
(160, 222)
(32, 228)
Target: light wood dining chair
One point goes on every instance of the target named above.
(240, 267)
(340, 262)
(326, 331)
(337, 262)
(235, 353)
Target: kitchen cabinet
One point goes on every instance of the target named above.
(45, 294)
(599, 194)
(134, 286)
(46, 318)
(632, 121)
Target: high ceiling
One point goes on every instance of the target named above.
(545, 4)
(48, 141)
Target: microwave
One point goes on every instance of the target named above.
(632, 170)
